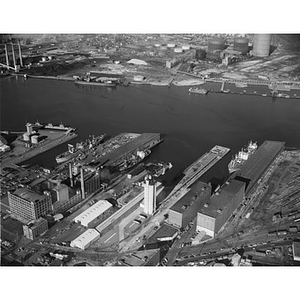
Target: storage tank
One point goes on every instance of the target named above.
(261, 45)
(157, 45)
(164, 47)
(34, 139)
(241, 44)
(216, 44)
(186, 47)
(200, 53)
(171, 45)
(178, 50)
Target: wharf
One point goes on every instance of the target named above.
(201, 166)
(20, 153)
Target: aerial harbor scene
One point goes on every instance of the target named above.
(176, 150)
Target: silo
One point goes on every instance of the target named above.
(261, 45)
(216, 44)
(200, 53)
(241, 44)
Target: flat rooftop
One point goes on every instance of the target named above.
(139, 258)
(254, 167)
(165, 231)
(219, 202)
(198, 189)
(28, 195)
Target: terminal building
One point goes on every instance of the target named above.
(215, 213)
(27, 205)
(185, 210)
(257, 164)
(96, 212)
(34, 229)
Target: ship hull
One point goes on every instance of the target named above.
(96, 83)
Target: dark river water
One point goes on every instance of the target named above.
(191, 124)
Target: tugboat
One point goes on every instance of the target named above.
(198, 90)
(241, 157)
(79, 148)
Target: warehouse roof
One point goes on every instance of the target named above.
(93, 212)
(254, 167)
(164, 232)
(197, 190)
(218, 202)
(88, 236)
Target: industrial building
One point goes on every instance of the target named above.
(163, 236)
(85, 239)
(261, 45)
(96, 211)
(27, 205)
(59, 195)
(141, 258)
(215, 213)
(296, 251)
(257, 164)
(149, 195)
(33, 229)
(185, 210)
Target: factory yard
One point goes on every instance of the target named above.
(153, 59)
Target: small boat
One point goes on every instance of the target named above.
(198, 91)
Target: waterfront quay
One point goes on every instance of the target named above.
(20, 153)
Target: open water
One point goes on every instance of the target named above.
(191, 124)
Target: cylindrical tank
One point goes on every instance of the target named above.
(34, 139)
(26, 136)
(138, 78)
(241, 44)
(157, 45)
(178, 50)
(261, 45)
(200, 53)
(164, 48)
(186, 47)
(213, 55)
(216, 44)
(171, 45)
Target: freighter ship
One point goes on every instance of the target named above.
(241, 157)
(79, 148)
(134, 159)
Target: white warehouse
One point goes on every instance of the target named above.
(85, 239)
(92, 213)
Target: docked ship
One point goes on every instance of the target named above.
(74, 151)
(96, 80)
(99, 83)
(241, 157)
(134, 159)
(197, 90)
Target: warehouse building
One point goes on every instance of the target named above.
(258, 163)
(215, 213)
(33, 229)
(27, 205)
(85, 239)
(97, 211)
(185, 210)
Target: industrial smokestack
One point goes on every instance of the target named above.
(71, 175)
(20, 54)
(82, 183)
(6, 55)
(13, 54)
